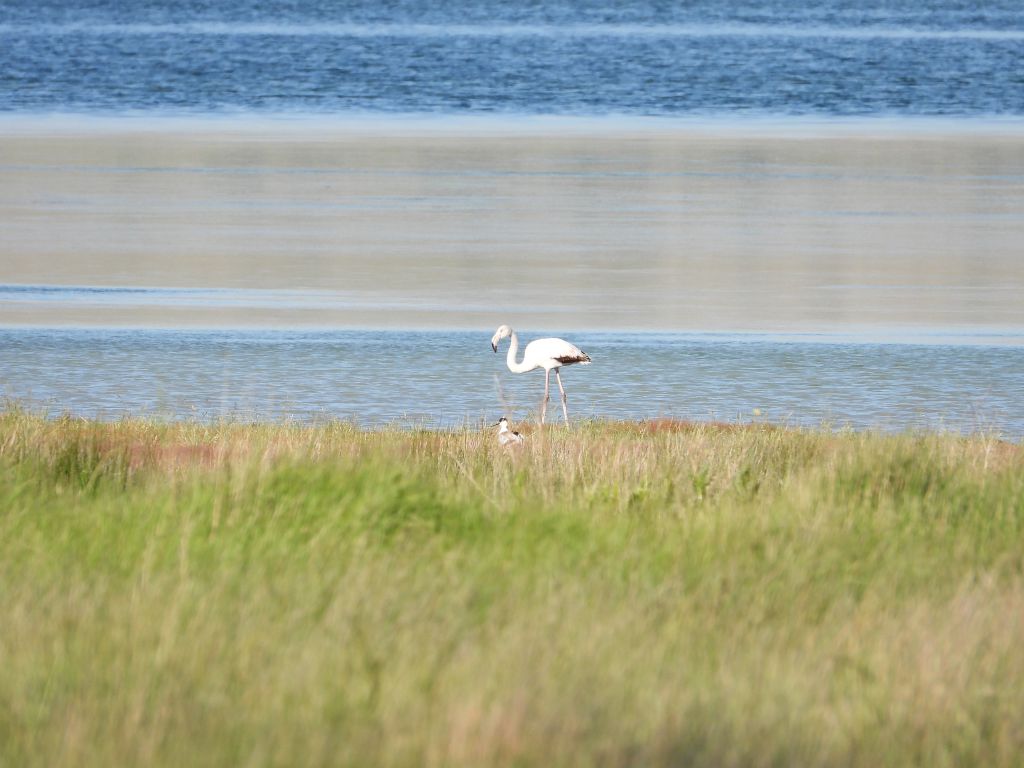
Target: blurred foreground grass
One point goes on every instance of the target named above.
(614, 594)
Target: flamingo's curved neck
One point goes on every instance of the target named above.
(513, 350)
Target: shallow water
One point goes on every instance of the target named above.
(663, 227)
(453, 378)
(844, 180)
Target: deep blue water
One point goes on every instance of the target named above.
(775, 57)
(452, 378)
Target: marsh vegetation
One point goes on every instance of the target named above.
(656, 593)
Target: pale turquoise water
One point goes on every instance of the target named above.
(453, 378)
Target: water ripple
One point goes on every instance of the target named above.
(450, 378)
(569, 30)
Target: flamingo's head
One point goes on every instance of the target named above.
(503, 332)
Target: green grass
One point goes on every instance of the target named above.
(613, 594)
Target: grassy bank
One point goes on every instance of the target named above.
(614, 594)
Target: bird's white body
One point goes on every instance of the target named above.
(549, 354)
(506, 436)
(545, 353)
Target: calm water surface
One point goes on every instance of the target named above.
(453, 378)
(669, 230)
(114, 214)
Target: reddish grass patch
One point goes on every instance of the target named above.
(654, 426)
(172, 456)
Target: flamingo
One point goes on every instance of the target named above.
(549, 354)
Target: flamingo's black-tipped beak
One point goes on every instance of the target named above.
(494, 346)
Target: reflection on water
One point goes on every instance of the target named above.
(449, 378)
(668, 229)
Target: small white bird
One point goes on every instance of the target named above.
(549, 354)
(505, 435)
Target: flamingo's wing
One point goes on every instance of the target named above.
(558, 350)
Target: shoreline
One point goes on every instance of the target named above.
(655, 427)
(999, 338)
(252, 124)
(237, 425)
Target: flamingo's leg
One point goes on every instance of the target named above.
(547, 384)
(558, 378)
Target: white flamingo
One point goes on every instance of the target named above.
(549, 354)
